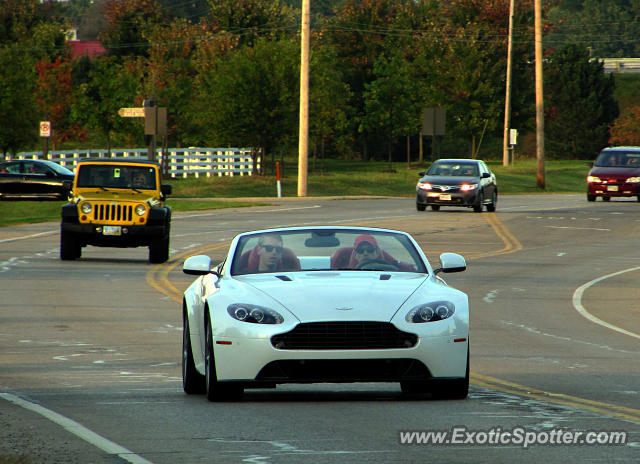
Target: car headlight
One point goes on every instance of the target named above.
(254, 314)
(429, 312)
(85, 208)
(467, 187)
(593, 179)
(141, 210)
(633, 180)
(424, 186)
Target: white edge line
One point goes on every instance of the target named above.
(577, 303)
(27, 236)
(78, 430)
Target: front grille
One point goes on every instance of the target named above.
(347, 335)
(446, 188)
(113, 212)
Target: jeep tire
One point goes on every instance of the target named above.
(69, 248)
(159, 249)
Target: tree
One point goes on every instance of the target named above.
(579, 104)
(19, 128)
(250, 97)
(390, 101)
(626, 129)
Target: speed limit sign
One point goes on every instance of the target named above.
(45, 129)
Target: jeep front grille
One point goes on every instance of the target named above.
(113, 212)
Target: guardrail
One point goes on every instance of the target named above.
(180, 162)
(621, 65)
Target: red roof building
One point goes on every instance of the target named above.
(91, 48)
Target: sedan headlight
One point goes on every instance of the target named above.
(468, 187)
(593, 179)
(254, 314)
(85, 208)
(424, 186)
(141, 210)
(633, 180)
(429, 312)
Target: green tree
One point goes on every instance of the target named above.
(579, 104)
(19, 128)
(250, 97)
(390, 103)
(103, 87)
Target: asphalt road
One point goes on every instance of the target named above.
(92, 347)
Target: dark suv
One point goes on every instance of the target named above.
(615, 173)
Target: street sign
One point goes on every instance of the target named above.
(45, 129)
(132, 112)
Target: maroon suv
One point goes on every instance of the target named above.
(615, 173)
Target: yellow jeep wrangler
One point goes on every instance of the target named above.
(117, 203)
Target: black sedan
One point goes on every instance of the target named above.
(34, 179)
(457, 182)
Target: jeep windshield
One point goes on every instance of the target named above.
(114, 176)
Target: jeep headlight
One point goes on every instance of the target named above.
(85, 208)
(141, 210)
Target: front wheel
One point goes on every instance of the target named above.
(69, 248)
(491, 207)
(420, 207)
(477, 207)
(193, 382)
(159, 249)
(456, 389)
(593, 197)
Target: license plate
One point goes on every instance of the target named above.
(111, 230)
(612, 188)
(445, 197)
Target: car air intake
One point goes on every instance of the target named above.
(347, 335)
(113, 212)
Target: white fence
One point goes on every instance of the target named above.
(181, 162)
(621, 65)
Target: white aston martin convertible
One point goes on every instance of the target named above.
(324, 304)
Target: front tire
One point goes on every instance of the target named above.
(193, 382)
(456, 389)
(491, 207)
(159, 250)
(593, 197)
(477, 207)
(435, 207)
(420, 207)
(69, 248)
(217, 391)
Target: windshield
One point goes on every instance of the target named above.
(453, 169)
(325, 250)
(618, 159)
(116, 176)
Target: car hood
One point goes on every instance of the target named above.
(446, 180)
(113, 194)
(353, 295)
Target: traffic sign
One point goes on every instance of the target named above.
(132, 112)
(45, 129)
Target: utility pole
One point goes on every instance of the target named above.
(539, 96)
(507, 97)
(303, 138)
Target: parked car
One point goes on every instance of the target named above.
(324, 304)
(457, 182)
(34, 179)
(615, 173)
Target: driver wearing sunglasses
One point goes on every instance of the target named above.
(365, 249)
(269, 253)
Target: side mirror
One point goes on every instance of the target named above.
(197, 265)
(485, 175)
(422, 173)
(451, 262)
(166, 189)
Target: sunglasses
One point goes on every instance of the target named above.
(271, 248)
(365, 249)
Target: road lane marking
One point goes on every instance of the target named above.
(577, 303)
(607, 409)
(78, 430)
(25, 237)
